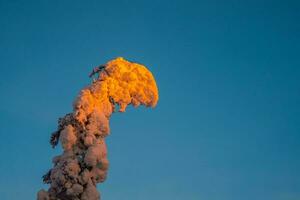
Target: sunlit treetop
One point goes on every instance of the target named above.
(120, 83)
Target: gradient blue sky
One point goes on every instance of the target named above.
(227, 123)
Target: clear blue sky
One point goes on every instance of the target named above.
(227, 124)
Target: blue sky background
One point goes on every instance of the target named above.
(227, 123)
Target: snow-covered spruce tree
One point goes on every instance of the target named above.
(82, 133)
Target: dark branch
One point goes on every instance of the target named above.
(46, 177)
(54, 138)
